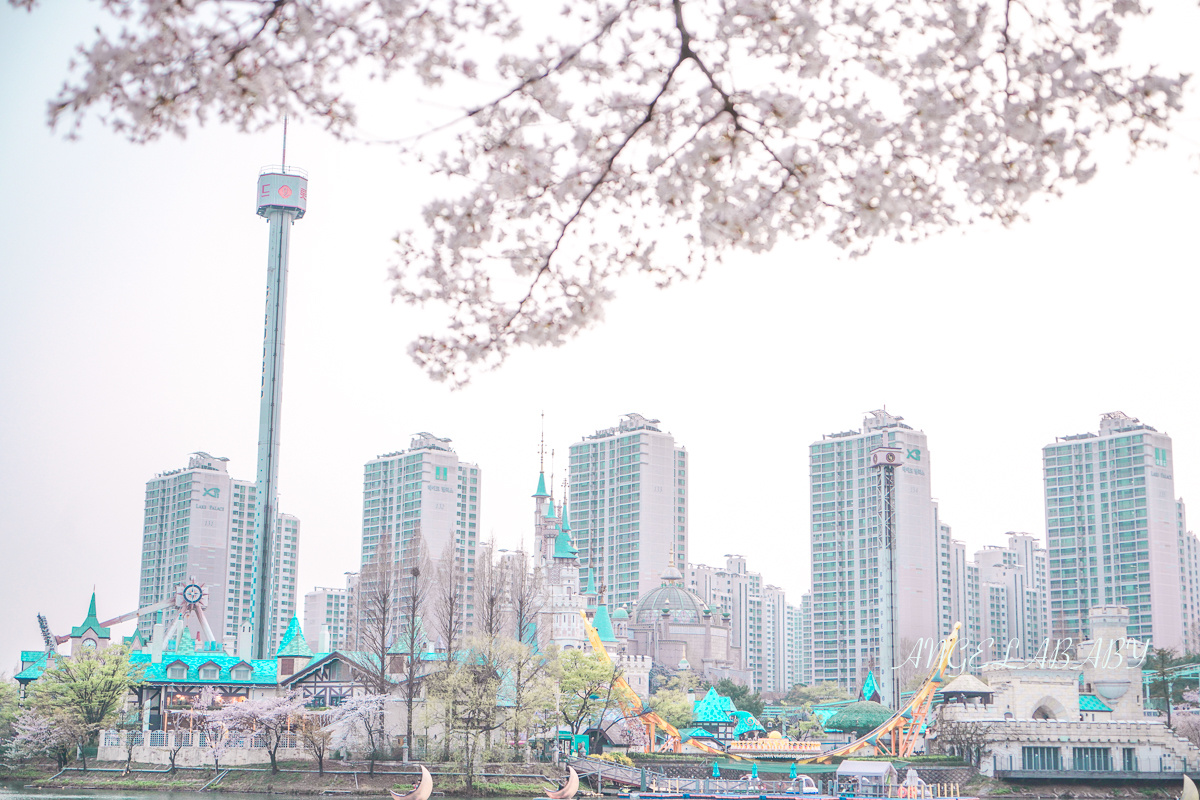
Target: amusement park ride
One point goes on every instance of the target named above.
(896, 737)
(190, 600)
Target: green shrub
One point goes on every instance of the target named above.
(617, 758)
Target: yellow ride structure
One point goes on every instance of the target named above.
(897, 737)
(632, 706)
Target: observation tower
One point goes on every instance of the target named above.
(282, 199)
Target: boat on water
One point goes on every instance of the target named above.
(421, 791)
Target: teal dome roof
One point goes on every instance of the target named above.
(620, 613)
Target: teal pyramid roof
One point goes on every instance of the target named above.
(541, 490)
(293, 643)
(591, 587)
(183, 643)
(566, 524)
(870, 690)
(400, 647)
(550, 509)
(563, 548)
(603, 624)
(713, 707)
(91, 622)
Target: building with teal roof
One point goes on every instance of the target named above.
(560, 621)
(717, 714)
(89, 633)
(746, 725)
(293, 643)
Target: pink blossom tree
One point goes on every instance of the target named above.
(361, 722)
(38, 735)
(271, 720)
(650, 136)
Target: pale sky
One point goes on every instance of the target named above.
(131, 307)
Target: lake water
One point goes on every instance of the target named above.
(15, 790)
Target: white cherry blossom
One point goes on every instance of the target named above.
(661, 137)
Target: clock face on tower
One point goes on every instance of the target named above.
(90, 644)
(192, 593)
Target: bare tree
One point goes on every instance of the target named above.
(411, 640)
(316, 733)
(449, 601)
(529, 667)
(967, 739)
(489, 592)
(378, 610)
(449, 611)
(525, 596)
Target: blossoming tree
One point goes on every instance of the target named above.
(651, 136)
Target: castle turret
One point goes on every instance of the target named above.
(89, 635)
(294, 652)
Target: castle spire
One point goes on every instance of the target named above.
(541, 487)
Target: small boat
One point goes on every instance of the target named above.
(1189, 790)
(423, 790)
(566, 792)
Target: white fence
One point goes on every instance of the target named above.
(194, 748)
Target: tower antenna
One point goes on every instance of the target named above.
(282, 198)
(542, 446)
(283, 158)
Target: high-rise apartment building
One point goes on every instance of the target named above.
(735, 591)
(1002, 599)
(326, 618)
(284, 597)
(759, 616)
(773, 640)
(800, 642)
(199, 523)
(629, 509)
(847, 514)
(422, 497)
(1189, 579)
(945, 612)
(1113, 528)
(964, 596)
